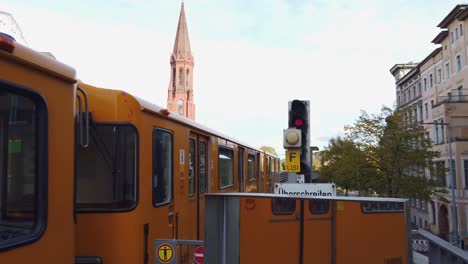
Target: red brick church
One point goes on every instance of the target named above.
(180, 92)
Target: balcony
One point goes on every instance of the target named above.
(452, 99)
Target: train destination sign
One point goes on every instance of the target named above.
(306, 189)
(293, 160)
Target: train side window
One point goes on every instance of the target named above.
(107, 170)
(251, 163)
(202, 166)
(225, 167)
(191, 167)
(23, 166)
(162, 166)
(381, 206)
(319, 206)
(283, 206)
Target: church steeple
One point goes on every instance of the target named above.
(180, 92)
(182, 42)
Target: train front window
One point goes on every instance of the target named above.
(107, 169)
(23, 160)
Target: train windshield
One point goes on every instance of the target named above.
(107, 169)
(22, 168)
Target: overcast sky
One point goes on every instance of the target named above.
(251, 56)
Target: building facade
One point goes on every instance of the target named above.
(180, 91)
(442, 106)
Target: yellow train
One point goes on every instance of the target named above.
(91, 175)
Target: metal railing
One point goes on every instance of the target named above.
(442, 252)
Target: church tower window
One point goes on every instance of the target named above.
(187, 79)
(181, 74)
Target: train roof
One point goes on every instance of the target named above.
(153, 108)
(41, 62)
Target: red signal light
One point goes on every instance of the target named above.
(298, 122)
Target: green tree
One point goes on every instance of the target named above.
(270, 150)
(387, 153)
(345, 164)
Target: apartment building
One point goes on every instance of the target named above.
(441, 102)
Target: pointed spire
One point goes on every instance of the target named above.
(182, 42)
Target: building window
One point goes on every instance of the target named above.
(425, 84)
(430, 80)
(442, 131)
(173, 77)
(461, 29)
(439, 75)
(420, 112)
(447, 71)
(451, 37)
(414, 91)
(225, 167)
(419, 88)
(162, 167)
(187, 78)
(456, 33)
(432, 103)
(465, 172)
(454, 174)
(426, 110)
(409, 94)
(458, 63)
(181, 75)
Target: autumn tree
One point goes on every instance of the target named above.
(387, 153)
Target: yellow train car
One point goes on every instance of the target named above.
(145, 173)
(37, 113)
(276, 229)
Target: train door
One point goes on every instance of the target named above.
(240, 169)
(162, 215)
(197, 185)
(317, 231)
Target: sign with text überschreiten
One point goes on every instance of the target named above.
(306, 189)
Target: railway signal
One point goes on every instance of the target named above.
(297, 136)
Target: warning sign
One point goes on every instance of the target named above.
(165, 253)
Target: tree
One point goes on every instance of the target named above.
(270, 150)
(345, 164)
(388, 153)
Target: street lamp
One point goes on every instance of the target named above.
(454, 180)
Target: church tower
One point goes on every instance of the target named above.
(180, 92)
